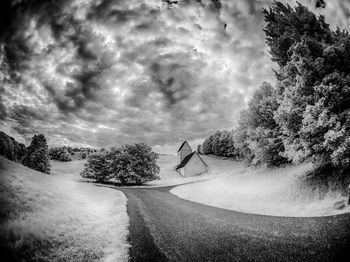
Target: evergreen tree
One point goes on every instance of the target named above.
(37, 156)
(286, 26)
(10, 148)
(313, 86)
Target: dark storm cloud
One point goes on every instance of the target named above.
(11, 10)
(172, 80)
(217, 4)
(14, 14)
(66, 31)
(112, 11)
(109, 72)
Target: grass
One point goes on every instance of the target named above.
(277, 192)
(57, 217)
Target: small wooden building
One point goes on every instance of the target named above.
(183, 151)
(190, 163)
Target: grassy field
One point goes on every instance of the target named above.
(59, 217)
(62, 217)
(277, 192)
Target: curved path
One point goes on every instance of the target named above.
(164, 227)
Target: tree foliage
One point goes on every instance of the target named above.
(220, 144)
(286, 26)
(313, 86)
(85, 152)
(258, 136)
(306, 116)
(130, 164)
(10, 148)
(60, 154)
(98, 167)
(37, 155)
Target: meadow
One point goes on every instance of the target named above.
(281, 191)
(59, 217)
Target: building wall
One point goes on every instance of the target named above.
(195, 166)
(185, 151)
(182, 171)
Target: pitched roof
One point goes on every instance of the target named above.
(185, 142)
(202, 160)
(187, 159)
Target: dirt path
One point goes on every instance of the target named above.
(164, 227)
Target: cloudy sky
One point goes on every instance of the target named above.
(110, 72)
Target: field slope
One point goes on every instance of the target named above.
(276, 192)
(59, 217)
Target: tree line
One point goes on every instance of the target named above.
(129, 164)
(68, 153)
(35, 156)
(306, 115)
(38, 155)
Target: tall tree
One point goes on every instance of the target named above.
(258, 135)
(286, 26)
(10, 148)
(297, 38)
(313, 88)
(37, 156)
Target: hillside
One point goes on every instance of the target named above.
(277, 192)
(59, 217)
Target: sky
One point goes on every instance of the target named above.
(104, 73)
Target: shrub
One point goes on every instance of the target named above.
(82, 155)
(37, 155)
(329, 177)
(207, 146)
(98, 167)
(220, 144)
(130, 164)
(135, 164)
(60, 154)
(85, 151)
